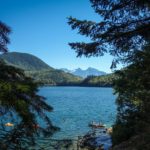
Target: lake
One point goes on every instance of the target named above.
(76, 107)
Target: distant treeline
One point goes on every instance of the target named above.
(53, 77)
(90, 81)
(99, 81)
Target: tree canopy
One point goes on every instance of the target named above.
(133, 90)
(124, 28)
(4, 38)
(124, 32)
(20, 105)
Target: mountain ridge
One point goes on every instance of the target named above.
(85, 72)
(37, 69)
(44, 74)
(24, 61)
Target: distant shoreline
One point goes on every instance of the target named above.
(42, 85)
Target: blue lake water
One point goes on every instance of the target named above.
(76, 107)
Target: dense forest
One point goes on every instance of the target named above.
(124, 33)
(99, 81)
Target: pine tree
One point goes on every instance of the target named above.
(4, 39)
(123, 32)
(133, 90)
(124, 28)
(20, 105)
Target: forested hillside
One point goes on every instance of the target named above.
(53, 77)
(46, 75)
(99, 81)
(39, 70)
(25, 61)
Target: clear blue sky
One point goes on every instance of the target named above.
(39, 27)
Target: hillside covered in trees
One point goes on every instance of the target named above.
(39, 70)
(99, 81)
(46, 75)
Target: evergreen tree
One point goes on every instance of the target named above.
(124, 32)
(20, 105)
(124, 28)
(4, 39)
(133, 90)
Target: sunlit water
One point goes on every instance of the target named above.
(76, 107)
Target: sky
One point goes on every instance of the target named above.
(39, 27)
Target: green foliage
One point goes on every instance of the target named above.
(123, 32)
(123, 28)
(4, 39)
(53, 77)
(133, 89)
(20, 105)
(99, 81)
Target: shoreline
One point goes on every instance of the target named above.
(48, 85)
(96, 138)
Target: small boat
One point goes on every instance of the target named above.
(109, 130)
(9, 124)
(96, 125)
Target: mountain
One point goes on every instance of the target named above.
(44, 74)
(24, 61)
(39, 70)
(85, 73)
(66, 70)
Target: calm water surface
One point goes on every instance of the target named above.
(75, 107)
